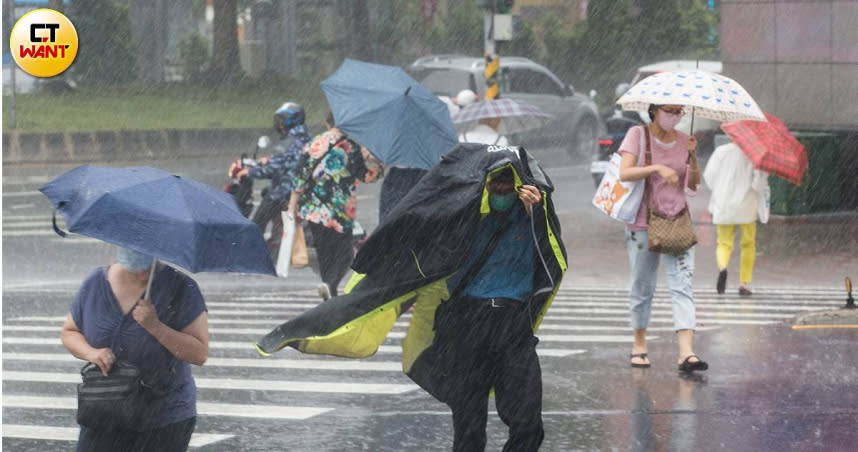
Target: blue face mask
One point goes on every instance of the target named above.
(502, 203)
(133, 261)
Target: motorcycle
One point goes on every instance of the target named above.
(241, 189)
(616, 127)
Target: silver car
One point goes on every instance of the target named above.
(574, 127)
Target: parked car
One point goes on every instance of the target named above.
(575, 125)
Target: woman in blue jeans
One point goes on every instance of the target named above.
(672, 156)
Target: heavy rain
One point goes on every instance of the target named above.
(411, 225)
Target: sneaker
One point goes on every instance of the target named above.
(324, 292)
(745, 292)
(721, 286)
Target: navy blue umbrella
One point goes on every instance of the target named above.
(395, 117)
(181, 221)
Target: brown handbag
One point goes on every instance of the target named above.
(667, 235)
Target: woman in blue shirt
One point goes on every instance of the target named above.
(161, 335)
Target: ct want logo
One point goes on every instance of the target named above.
(43, 43)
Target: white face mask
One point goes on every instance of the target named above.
(667, 121)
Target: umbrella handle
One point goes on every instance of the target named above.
(151, 277)
(57, 229)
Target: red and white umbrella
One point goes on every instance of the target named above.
(770, 147)
(515, 117)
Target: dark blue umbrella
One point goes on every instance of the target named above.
(395, 117)
(181, 221)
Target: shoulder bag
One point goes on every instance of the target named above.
(118, 400)
(667, 235)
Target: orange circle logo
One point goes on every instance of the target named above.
(43, 43)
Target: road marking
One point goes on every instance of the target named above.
(71, 434)
(809, 327)
(261, 411)
(314, 364)
(248, 346)
(668, 312)
(240, 384)
(18, 194)
(590, 338)
(21, 206)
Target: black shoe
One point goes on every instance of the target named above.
(721, 286)
(745, 292)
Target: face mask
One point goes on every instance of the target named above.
(502, 203)
(668, 122)
(133, 261)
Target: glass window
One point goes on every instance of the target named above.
(533, 82)
(444, 82)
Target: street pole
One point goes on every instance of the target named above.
(13, 66)
(492, 58)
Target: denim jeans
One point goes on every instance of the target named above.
(644, 276)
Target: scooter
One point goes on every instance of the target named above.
(616, 128)
(241, 189)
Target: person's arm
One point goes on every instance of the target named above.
(189, 345)
(74, 341)
(694, 167)
(629, 171)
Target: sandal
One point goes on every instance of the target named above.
(691, 366)
(642, 356)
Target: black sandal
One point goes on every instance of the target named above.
(641, 356)
(689, 366)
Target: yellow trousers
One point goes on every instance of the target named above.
(726, 237)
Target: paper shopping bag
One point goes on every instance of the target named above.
(299, 249)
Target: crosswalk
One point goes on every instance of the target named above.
(236, 384)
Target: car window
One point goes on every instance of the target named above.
(532, 82)
(444, 82)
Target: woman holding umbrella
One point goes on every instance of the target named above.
(323, 195)
(111, 320)
(673, 160)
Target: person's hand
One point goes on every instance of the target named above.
(692, 145)
(263, 161)
(104, 359)
(668, 174)
(144, 313)
(529, 195)
(243, 173)
(232, 169)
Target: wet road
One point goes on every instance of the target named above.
(769, 387)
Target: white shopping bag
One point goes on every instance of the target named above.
(615, 198)
(284, 256)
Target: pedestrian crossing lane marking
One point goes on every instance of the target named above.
(203, 408)
(240, 384)
(50, 433)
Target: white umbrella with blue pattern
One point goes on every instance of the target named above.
(712, 96)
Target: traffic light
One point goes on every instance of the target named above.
(503, 6)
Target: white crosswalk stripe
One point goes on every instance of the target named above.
(36, 367)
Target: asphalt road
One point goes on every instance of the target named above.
(769, 387)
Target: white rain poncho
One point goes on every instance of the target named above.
(739, 192)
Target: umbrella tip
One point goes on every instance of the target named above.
(407, 90)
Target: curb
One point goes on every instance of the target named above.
(125, 145)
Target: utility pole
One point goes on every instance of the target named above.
(497, 27)
(9, 19)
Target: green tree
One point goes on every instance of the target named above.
(225, 66)
(461, 32)
(106, 55)
(194, 51)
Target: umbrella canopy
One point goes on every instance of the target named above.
(178, 220)
(713, 96)
(515, 116)
(770, 147)
(395, 117)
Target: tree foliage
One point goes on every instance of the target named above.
(106, 55)
(621, 35)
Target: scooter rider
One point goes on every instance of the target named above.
(280, 167)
